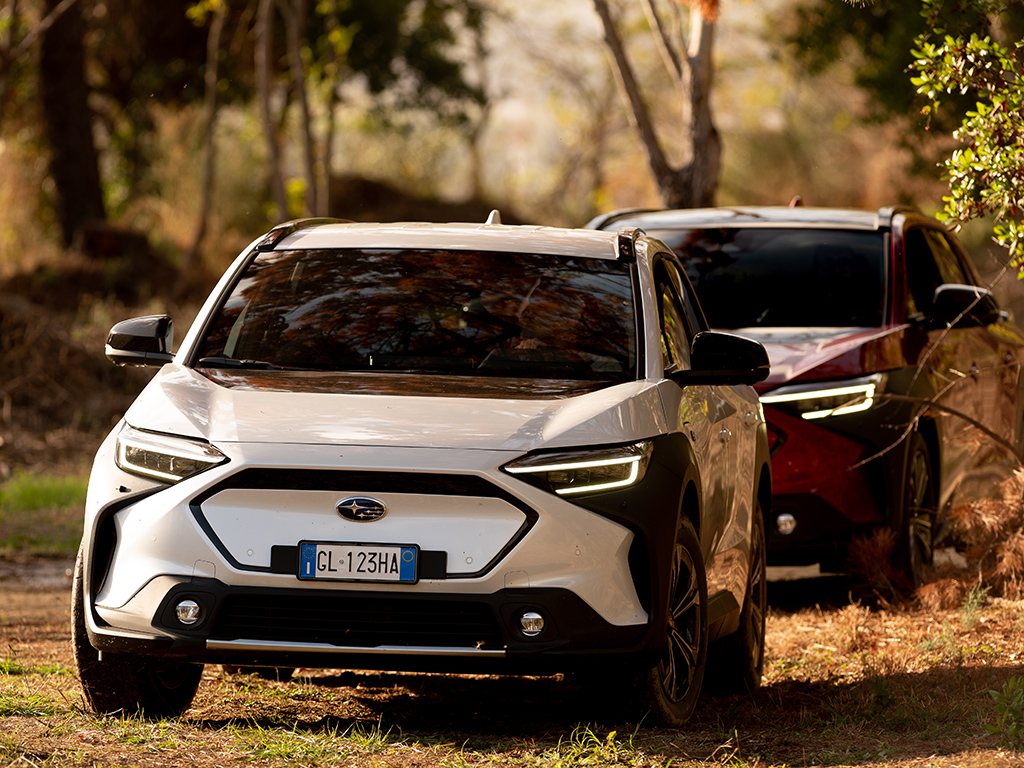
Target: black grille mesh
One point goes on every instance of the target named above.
(357, 621)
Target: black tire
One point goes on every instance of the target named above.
(127, 683)
(736, 662)
(916, 518)
(670, 688)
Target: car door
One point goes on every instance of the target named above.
(973, 369)
(718, 421)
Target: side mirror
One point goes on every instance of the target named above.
(724, 358)
(141, 341)
(964, 305)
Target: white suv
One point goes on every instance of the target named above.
(476, 448)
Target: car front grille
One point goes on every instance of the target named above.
(357, 621)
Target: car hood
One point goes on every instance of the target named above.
(244, 409)
(810, 354)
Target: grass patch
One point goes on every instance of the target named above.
(13, 667)
(325, 745)
(13, 704)
(41, 514)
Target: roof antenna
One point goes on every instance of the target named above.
(493, 217)
(796, 202)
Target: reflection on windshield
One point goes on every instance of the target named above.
(454, 312)
(784, 278)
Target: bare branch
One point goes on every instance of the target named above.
(48, 21)
(932, 404)
(639, 114)
(663, 40)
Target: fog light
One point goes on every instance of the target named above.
(785, 523)
(187, 612)
(531, 624)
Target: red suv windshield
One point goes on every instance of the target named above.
(784, 278)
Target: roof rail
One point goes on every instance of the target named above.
(281, 231)
(626, 242)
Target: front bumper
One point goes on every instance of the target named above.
(830, 484)
(332, 628)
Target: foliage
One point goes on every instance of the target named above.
(1009, 714)
(28, 492)
(973, 602)
(41, 515)
(986, 172)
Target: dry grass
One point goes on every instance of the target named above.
(844, 685)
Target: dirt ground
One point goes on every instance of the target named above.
(845, 684)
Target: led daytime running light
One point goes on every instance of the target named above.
(634, 471)
(622, 467)
(164, 458)
(569, 466)
(859, 397)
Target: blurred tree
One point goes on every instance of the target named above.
(64, 97)
(969, 51)
(875, 38)
(125, 58)
(690, 67)
(18, 38)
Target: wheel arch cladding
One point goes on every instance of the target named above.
(651, 509)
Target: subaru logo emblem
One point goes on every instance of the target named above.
(361, 509)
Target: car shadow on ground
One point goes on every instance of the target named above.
(792, 589)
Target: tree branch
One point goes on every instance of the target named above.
(661, 38)
(639, 114)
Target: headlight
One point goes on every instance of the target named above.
(574, 472)
(820, 400)
(162, 457)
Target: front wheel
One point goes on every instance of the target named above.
(125, 682)
(916, 518)
(670, 688)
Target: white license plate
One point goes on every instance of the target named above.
(358, 562)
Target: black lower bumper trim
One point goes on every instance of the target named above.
(349, 629)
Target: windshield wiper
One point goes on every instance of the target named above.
(230, 362)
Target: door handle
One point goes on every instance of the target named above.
(750, 419)
(724, 435)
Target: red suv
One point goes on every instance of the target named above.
(896, 380)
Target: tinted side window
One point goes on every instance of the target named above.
(931, 262)
(676, 333)
(949, 264)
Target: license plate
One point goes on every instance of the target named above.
(358, 562)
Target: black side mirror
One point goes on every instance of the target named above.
(141, 341)
(964, 305)
(724, 358)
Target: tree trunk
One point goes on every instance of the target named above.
(264, 46)
(209, 145)
(693, 184)
(705, 143)
(64, 97)
(295, 16)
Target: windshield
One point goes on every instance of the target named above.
(746, 277)
(429, 311)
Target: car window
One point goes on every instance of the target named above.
(447, 311)
(776, 277)
(950, 268)
(930, 262)
(676, 333)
